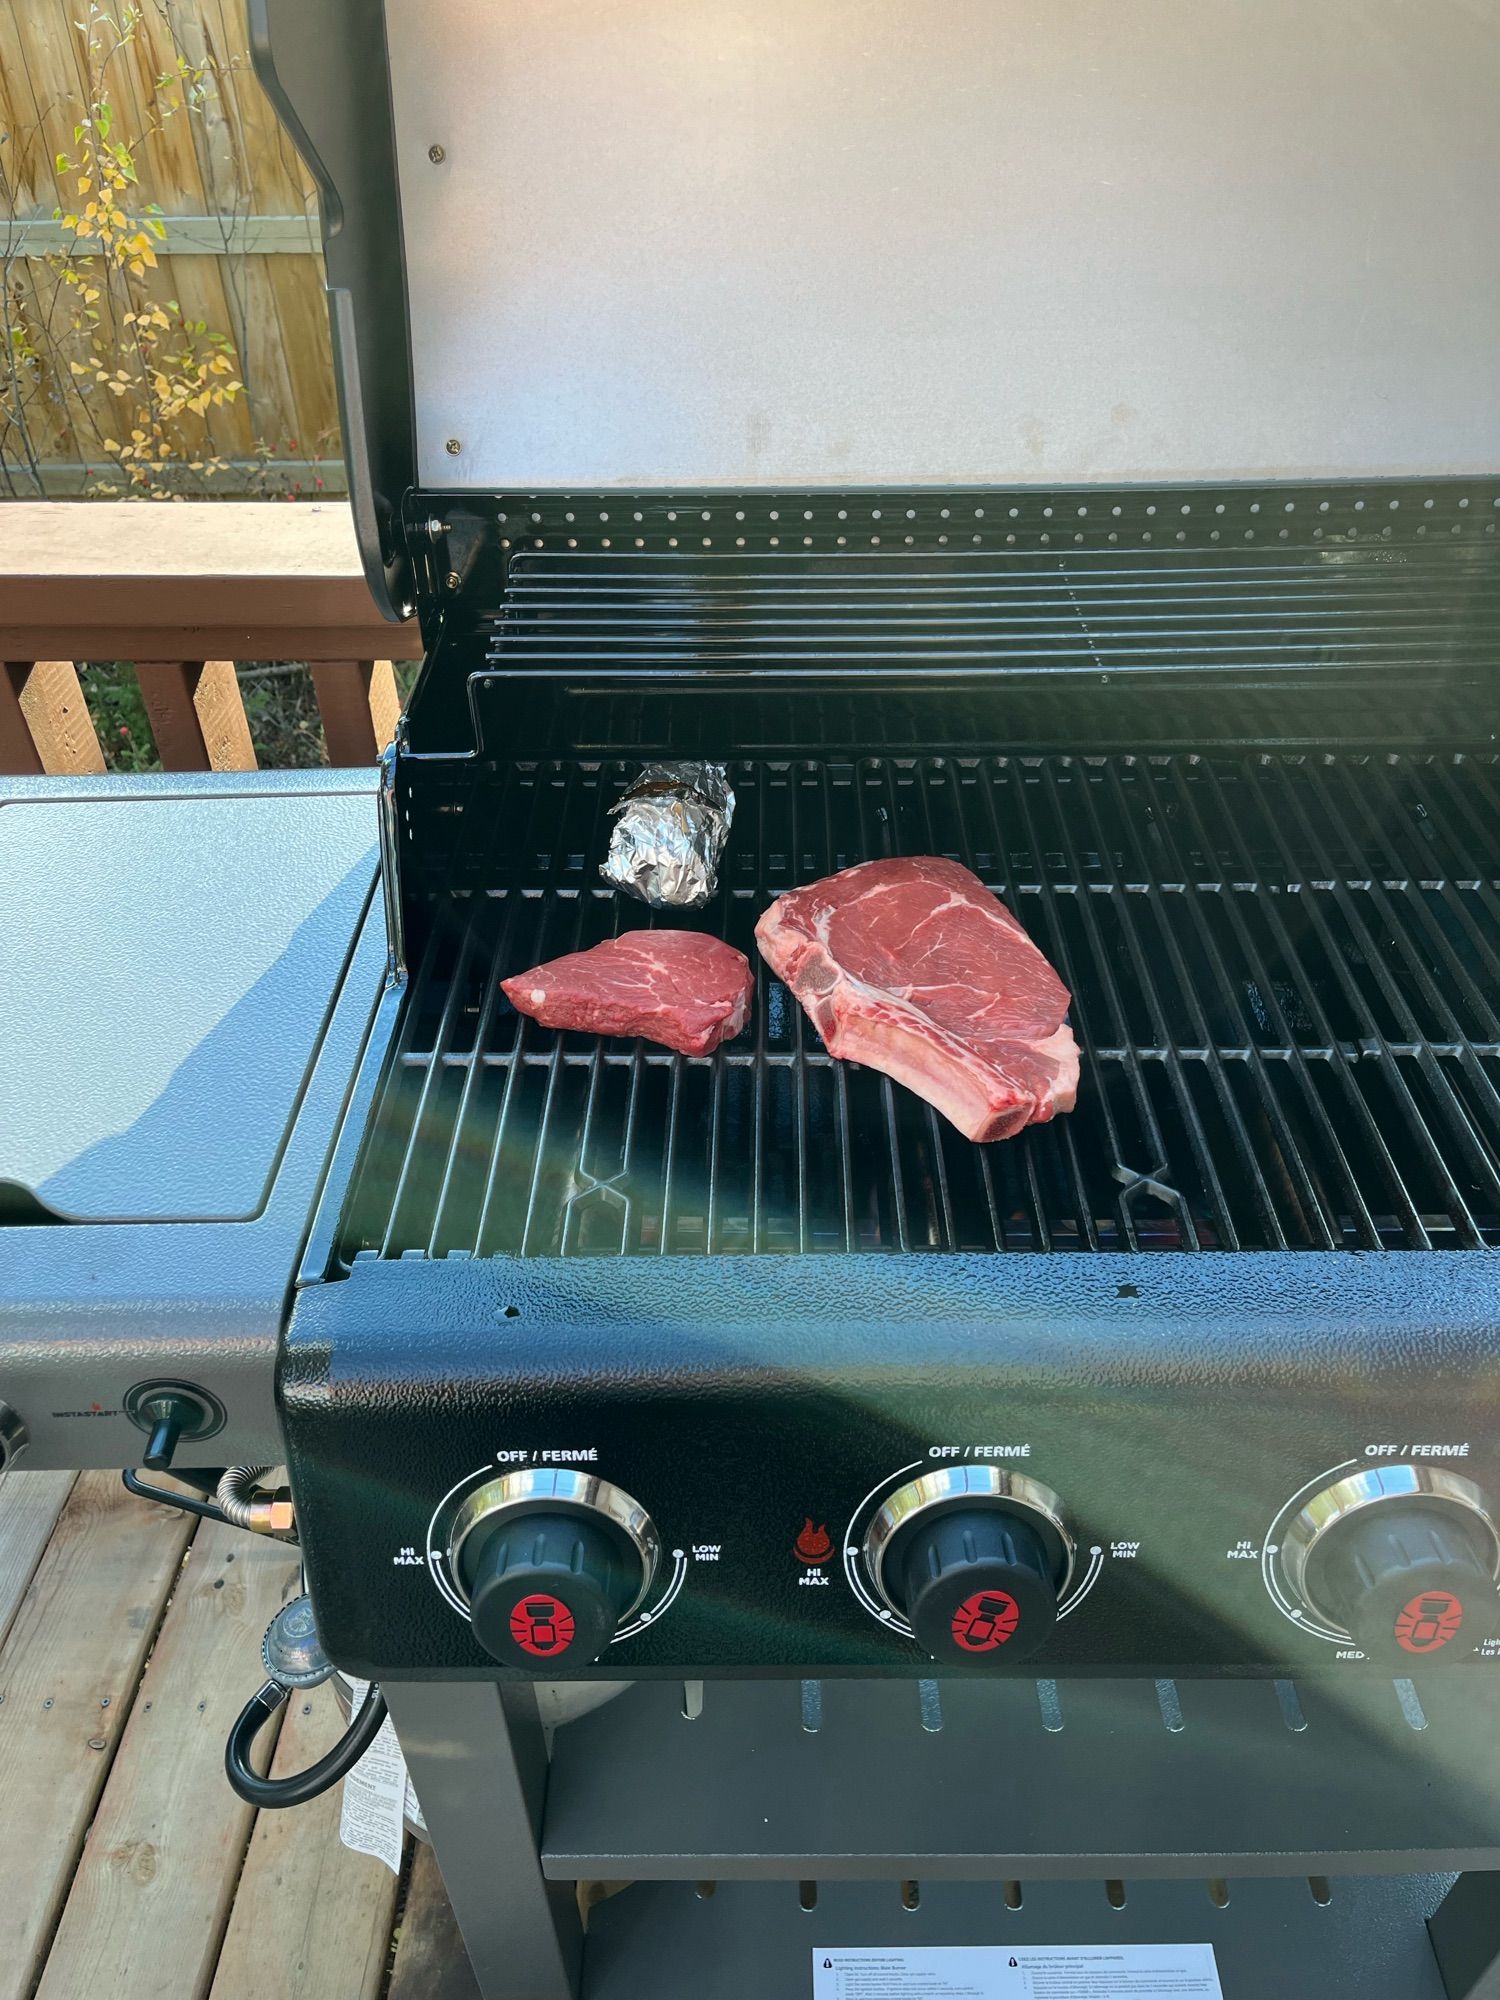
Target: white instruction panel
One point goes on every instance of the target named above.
(1020, 1972)
(372, 1820)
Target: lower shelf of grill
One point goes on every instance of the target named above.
(1037, 1780)
(1286, 981)
(1298, 1940)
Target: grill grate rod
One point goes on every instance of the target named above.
(1370, 1131)
(1431, 1068)
(1414, 1122)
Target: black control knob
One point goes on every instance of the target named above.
(1402, 1558)
(1410, 1583)
(978, 1587)
(975, 1558)
(548, 1589)
(168, 1414)
(552, 1563)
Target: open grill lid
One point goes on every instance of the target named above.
(707, 245)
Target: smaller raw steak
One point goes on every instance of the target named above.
(682, 989)
(912, 966)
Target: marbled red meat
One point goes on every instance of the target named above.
(912, 966)
(683, 989)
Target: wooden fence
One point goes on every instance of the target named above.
(240, 252)
(183, 591)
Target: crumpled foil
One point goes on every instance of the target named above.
(670, 827)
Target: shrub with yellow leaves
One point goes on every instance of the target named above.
(143, 376)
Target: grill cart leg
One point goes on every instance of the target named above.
(478, 1761)
(1465, 1933)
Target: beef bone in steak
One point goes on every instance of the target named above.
(912, 966)
(680, 988)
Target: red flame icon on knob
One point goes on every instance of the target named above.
(813, 1545)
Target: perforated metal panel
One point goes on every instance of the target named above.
(1427, 514)
(708, 243)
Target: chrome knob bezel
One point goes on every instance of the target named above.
(955, 1485)
(540, 1489)
(1373, 1486)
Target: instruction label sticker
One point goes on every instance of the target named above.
(1020, 1972)
(372, 1820)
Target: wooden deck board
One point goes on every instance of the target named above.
(309, 1916)
(127, 1866)
(32, 1502)
(151, 1897)
(257, 581)
(67, 1674)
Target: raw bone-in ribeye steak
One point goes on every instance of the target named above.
(912, 966)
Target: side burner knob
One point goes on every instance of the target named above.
(552, 1564)
(171, 1412)
(1403, 1558)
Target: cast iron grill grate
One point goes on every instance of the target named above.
(1286, 979)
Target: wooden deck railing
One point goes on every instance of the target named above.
(182, 591)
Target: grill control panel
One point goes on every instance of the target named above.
(976, 1566)
(990, 1494)
(555, 1571)
(972, 1564)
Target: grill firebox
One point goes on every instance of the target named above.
(1286, 980)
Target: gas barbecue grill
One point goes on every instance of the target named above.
(1061, 440)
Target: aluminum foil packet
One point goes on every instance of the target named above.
(671, 824)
